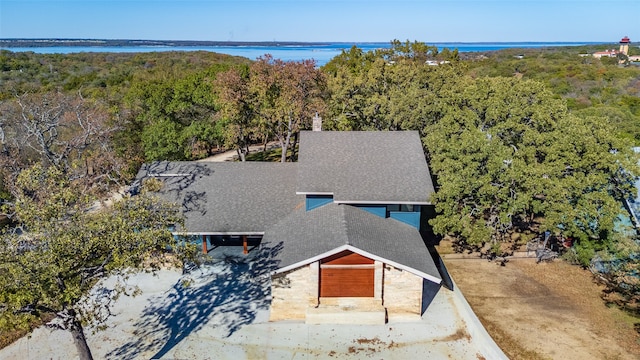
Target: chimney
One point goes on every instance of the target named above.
(317, 123)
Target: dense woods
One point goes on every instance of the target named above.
(590, 86)
(521, 143)
(118, 110)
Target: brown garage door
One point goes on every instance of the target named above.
(347, 275)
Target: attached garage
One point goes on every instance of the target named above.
(347, 288)
(345, 265)
(347, 274)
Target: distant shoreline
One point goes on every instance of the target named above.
(320, 52)
(35, 43)
(127, 42)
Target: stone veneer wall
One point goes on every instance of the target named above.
(293, 292)
(402, 292)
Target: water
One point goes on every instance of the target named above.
(322, 53)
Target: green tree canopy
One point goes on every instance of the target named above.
(388, 89)
(60, 248)
(174, 117)
(506, 153)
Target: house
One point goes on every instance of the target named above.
(436, 62)
(606, 53)
(346, 224)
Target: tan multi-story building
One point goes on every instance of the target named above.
(624, 45)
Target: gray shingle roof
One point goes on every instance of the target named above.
(364, 166)
(228, 197)
(306, 236)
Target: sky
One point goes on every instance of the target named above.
(428, 21)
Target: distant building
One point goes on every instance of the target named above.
(606, 53)
(436, 62)
(624, 49)
(624, 45)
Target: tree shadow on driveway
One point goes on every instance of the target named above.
(232, 290)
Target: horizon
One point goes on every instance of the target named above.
(350, 21)
(590, 42)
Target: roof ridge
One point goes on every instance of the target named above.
(344, 223)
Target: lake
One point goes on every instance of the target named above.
(322, 53)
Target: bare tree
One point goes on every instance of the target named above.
(67, 131)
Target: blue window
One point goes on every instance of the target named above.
(315, 201)
(376, 210)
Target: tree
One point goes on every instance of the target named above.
(237, 107)
(354, 60)
(590, 172)
(372, 92)
(617, 268)
(415, 51)
(60, 249)
(286, 95)
(167, 111)
(506, 153)
(66, 131)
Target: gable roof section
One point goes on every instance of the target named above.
(309, 236)
(227, 197)
(364, 166)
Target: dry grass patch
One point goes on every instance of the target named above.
(511, 347)
(545, 311)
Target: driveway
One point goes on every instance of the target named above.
(221, 311)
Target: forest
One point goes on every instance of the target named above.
(521, 142)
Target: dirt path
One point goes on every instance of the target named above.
(232, 155)
(545, 311)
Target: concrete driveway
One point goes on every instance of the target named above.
(221, 310)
